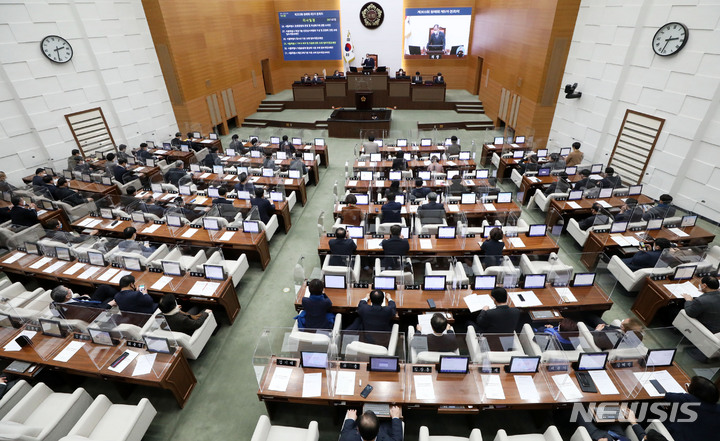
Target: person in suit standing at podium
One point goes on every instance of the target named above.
(417, 79)
(437, 37)
(368, 62)
(370, 146)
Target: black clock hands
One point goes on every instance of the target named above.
(668, 41)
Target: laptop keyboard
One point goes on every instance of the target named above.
(379, 409)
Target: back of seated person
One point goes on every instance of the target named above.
(264, 207)
(316, 307)
(432, 212)
(64, 295)
(703, 394)
(351, 214)
(391, 210)
(341, 248)
(130, 245)
(130, 299)
(179, 320)
(442, 338)
(501, 319)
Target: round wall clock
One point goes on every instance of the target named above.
(670, 39)
(372, 15)
(57, 49)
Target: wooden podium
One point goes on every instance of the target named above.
(363, 100)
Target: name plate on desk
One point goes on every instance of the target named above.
(79, 336)
(621, 364)
(378, 236)
(155, 270)
(329, 234)
(135, 344)
(412, 287)
(422, 369)
(470, 235)
(361, 285)
(557, 368)
(424, 236)
(346, 365)
(285, 362)
(491, 370)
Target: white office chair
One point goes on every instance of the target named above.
(613, 354)
(342, 270)
(105, 421)
(264, 431)
(424, 356)
(13, 396)
(656, 425)
(199, 156)
(315, 341)
(167, 187)
(291, 200)
(506, 267)
(552, 267)
(358, 350)
(495, 356)
(700, 336)
(187, 263)
(424, 435)
(633, 281)
(516, 177)
(234, 268)
(421, 228)
(192, 344)
(123, 187)
(551, 434)
(164, 166)
(542, 201)
(384, 227)
(402, 276)
(527, 340)
(580, 235)
(455, 272)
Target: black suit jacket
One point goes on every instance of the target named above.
(184, 322)
(502, 319)
(706, 308)
(642, 259)
(135, 301)
(376, 318)
(389, 431)
(23, 216)
(442, 343)
(265, 208)
(394, 246)
(119, 172)
(339, 248)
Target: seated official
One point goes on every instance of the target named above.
(456, 186)
(606, 335)
(130, 245)
(177, 140)
(211, 158)
(703, 397)
(400, 73)
(110, 164)
(399, 162)
(316, 79)
(305, 79)
(662, 210)
(19, 215)
(286, 145)
(148, 206)
(502, 319)
(4, 185)
(143, 154)
(370, 146)
(706, 307)
(50, 186)
(610, 179)
(492, 248)
(174, 174)
(596, 217)
(316, 308)
(395, 247)
(439, 79)
(222, 192)
(562, 185)
(584, 181)
(177, 319)
(121, 173)
(614, 431)
(341, 248)
(629, 212)
(236, 144)
(245, 184)
(131, 300)
(454, 148)
(374, 316)
(417, 79)
(560, 332)
(647, 259)
(75, 159)
(442, 338)
(575, 157)
(122, 153)
(528, 164)
(420, 191)
(265, 208)
(351, 214)
(6, 384)
(432, 212)
(38, 178)
(435, 166)
(369, 428)
(53, 230)
(556, 162)
(181, 209)
(64, 194)
(297, 163)
(64, 295)
(391, 210)
(269, 162)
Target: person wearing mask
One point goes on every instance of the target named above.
(269, 162)
(493, 247)
(65, 194)
(432, 212)
(110, 164)
(704, 395)
(19, 215)
(174, 174)
(131, 299)
(211, 158)
(181, 209)
(341, 248)
(610, 179)
(286, 146)
(501, 319)
(394, 248)
(454, 148)
(629, 212)
(566, 328)
(64, 295)
(316, 308)
(37, 180)
(265, 208)
(647, 259)
(75, 159)
(706, 307)
(179, 320)
(597, 217)
(305, 79)
(662, 210)
(556, 162)
(131, 245)
(439, 79)
(50, 186)
(417, 79)
(222, 192)
(245, 184)
(584, 182)
(615, 432)
(575, 157)
(176, 141)
(391, 210)
(316, 79)
(442, 338)
(562, 185)
(122, 174)
(607, 336)
(420, 191)
(528, 164)
(368, 428)
(298, 164)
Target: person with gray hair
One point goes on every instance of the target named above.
(61, 294)
(433, 212)
(175, 173)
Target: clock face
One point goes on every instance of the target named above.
(670, 39)
(56, 48)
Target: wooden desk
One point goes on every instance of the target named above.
(177, 155)
(414, 302)
(308, 92)
(505, 167)
(256, 244)
(322, 150)
(358, 186)
(206, 142)
(562, 209)
(453, 247)
(372, 81)
(599, 243)
(245, 161)
(93, 187)
(654, 296)
(351, 123)
(224, 296)
(428, 92)
(389, 151)
(297, 185)
(489, 149)
(174, 371)
(476, 211)
(386, 166)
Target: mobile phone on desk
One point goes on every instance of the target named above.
(431, 303)
(365, 392)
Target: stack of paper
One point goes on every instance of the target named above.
(678, 232)
(453, 208)
(161, 282)
(526, 388)
(205, 175)
(89, 272)
(567, 387)
(190, 232)
(280, 379)
(620, 240)
(70, 350)
(489, 207)
(40, 263)
(14, 257)
(603, 383)
(200, 200)
(351, 183)
(288, 181)
(108, 274)
(151, 228)
(530, 299)
(345, 383)
(678, 289)
(119, 276)
(566, 295)
(663, 377)
(227, 235)
(476, 302)
(123, 364)
(73, 269)
(204, 288)
(516, 242)
(54, 267)
(424, 389)
(426, 244)
(312, 385)
(373, 244)
(493, 387)
(574, 205)
(604, 203)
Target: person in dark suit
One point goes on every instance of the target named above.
(179, 320)
(297, 163)
(63, 295)
(368, 62)
(178, 207)
(437, 37)
(305, 79)
(391, 210)
(454, 148)
(606, 336)
(244, 185)
(562, 185)
(420, 191)
(502, 319)
(143, 153)
(706, 307)
(703, 394)
(265, 208)
(64, 194)
(6, 384)
(177, 140)
(493, 247)
(662, 210)
(222, 192)
(399, 162)
(395, 247)
(433, 212)
(129, 244)
(176, 173)
(456, 186)
(556, 162)
(582, 183)
(50, 186)
(614, 431)
(629, 212)
(647, 259)
(131, 300)
(368, 428)
(610, 179)
(38, 178)
(149, 206)
(374, 316)
(121, 172)
(442, 338)
(211, 158)
(286, 146)
(596, 217)
(528, 164)
(19, 215)
(316, 79)
(317, 307)
(341, 248)
(417, 79)
(439, 79)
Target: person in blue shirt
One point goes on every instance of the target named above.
(131, 300)
(391, 210)
(647, 259)
(316, 308)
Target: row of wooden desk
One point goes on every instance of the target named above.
(564, 209)
(436, 185)
(385, 166)
(284, 164)
(489, 149)
(322, 150)
(296, 185)
(475, 211)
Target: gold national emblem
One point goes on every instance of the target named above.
(372, 15)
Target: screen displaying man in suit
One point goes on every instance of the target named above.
(437, 37)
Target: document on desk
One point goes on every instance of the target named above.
(54, 267)
(526, 387)
(603, 382)
(632, 240)
(119, 276)
(425, 244)
(469, 182)
(144, 365)
(454, 208)
(190, 232)
(169, 196)
(140, 169)
(108, 274)
(451, 163)
(227, 235)
(373, 244)
(345, 384)
(567, 387)
(280, 379)
(530, 299)
(620, 240)
(73, 269)
(361, 163)
(93, 223)
(663, 377)
(678, 289)
(678, 232)
(151, 229)
(516, 242)
(85, 222)
(199, 200)
(289, 181)
(566, 295)
(13, 346)
(414, 208)
(312, 385)
(574, 205)
(229, 178)
(476, 302)
(424, 389)
(380, 184)
(351, 184)
(493, 387)
(89, 272)
(40, 263)
(15, 257)
(66, 354)
(125, 363)
(205, 175)
(161, 282)
(489, 207)
(533, 179)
